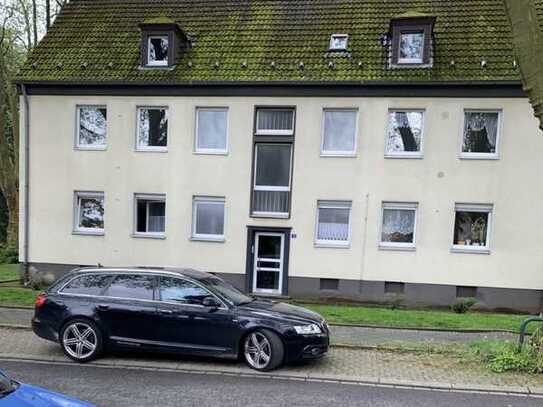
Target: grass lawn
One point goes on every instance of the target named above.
(15, 296)
(354, 314)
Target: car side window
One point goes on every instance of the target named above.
(181, 291)
(132, 286)
(87, 285)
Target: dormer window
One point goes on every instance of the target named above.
(338, 42)
(411, 41)
(157, 50)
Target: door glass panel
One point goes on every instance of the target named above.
(267, 280)
(181, 291)
(132, 286)
(268, 264)
(269, 247)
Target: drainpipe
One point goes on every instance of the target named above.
(364, 242)
(26, 192)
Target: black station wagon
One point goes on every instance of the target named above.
(89, 310)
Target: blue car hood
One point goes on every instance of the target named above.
(31, 396)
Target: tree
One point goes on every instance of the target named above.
(528, 49)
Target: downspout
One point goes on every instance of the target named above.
(26, 192)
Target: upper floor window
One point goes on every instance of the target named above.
(271, 121)
(89, 213)
(405, 132)
(211, 130)
(91, 125)
(157, 50)
(338, 42)
(412, 41)
(152, 129)
(480, 138)
(162, 42)
(339, 132)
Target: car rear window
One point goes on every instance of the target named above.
(88, 285)
(132, 286)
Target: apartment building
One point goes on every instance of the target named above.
(369, 150)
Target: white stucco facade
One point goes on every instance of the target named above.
(437, 181)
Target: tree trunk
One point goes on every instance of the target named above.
(47, 14)
(528, 48)
(35, 22)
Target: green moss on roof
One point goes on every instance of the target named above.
(159, 20)
(88, 35)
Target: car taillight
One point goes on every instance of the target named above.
(40, 300)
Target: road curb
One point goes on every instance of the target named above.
(339, 379)
(424, 329)
(15, 326)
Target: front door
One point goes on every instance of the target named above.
(268, 262)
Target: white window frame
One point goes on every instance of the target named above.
(327, 204)
(160, 149)
(212, 151)
(406, 154)
(470, 207)
(213, 200)
(157, 63)
(78, 146)
(271, 132)
(78, 195)
(334, 153)
(149, 198)
(409, 206)
(333, 37)
(270, 187)
(481, 156)
(411, 61)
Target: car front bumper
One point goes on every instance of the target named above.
(305, 347)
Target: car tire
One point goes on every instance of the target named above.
(263, 350)
(81, 340)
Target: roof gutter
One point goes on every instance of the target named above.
(26, 188)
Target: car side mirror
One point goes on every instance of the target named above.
(211, 302)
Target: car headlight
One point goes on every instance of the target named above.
(312, 329)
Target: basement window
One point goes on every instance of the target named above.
(152, 129)
(150, 216)
(89, 213)
(405, 132)
(338, 42)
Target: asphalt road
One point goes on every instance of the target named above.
(130, 387)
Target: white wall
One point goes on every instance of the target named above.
(436, 182)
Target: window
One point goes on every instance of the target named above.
(182, 291)
(481, 134)
(208, 218)
(150, 215)
(91, 127)
(338, 42)
(274, 121)
(152, 128)
(333, 223)
(404, 138)
(329, 284)
(411, 47)
(89, 212)
(472, 228)
(87, 285)
(339, 132)
(412, 43)
(466, 292)
(211, 130)
(399, 225)
(271, 188)
(393, 287)
(157, 50)
(132, 286)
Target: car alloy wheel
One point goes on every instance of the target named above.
(80, 340)
(263, 350)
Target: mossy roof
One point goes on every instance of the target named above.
(99, 41)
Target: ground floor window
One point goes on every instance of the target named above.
(333, 223)
(89, 212)
(208, 218)
(150, 215)
(472, 227)
(399, 225)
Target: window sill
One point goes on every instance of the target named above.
(397, 248)
(210, 152)
(148, 236)
(207, 239)
(324, 245)
(88, 233)
(155, 67)
(479, 250)
(80, 148)
(151, 150)
(411, 65)
(403, 156)
(338, 155)
(478, 156)
(270, 215)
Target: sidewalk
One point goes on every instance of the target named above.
(362, 366)
(344, 335)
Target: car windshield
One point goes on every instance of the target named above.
(227, 291)
(7, 385)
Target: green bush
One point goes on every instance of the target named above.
(8, 255)
(503, 356)
(463, 305)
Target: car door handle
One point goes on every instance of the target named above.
(165, 311)
(103, 307)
